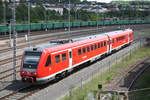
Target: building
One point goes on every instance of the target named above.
(57, 8)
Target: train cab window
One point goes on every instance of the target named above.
(63, 56)
(48, 61)
(57, 58)
(79, 52)
(84, 50)
(88, 49)
(31, 59)
(99, 45)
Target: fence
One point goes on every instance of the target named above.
(94, 73)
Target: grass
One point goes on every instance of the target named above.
(80, 93)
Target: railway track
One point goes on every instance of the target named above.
(21, 93)
(57, 33)
(4, 61)
(9, 60)
(48, 37)
(24, 91)
(146, 66)
(8, 70)
(22, 34)
(7, 73)
(120, 83)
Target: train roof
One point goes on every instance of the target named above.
(119, 32)
(58, 44)
(41, 48)
(54, 43)
(76, 44)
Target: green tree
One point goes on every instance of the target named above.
(1, 11)
(22, 13)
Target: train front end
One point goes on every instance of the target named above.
(29, 66)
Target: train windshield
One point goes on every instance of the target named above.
(31, 60)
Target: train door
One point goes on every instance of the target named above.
(70, 57)
(107, 46)
(128, 37)
(110, 46)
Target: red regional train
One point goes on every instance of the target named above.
(42, 64)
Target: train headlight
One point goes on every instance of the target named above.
(33, 73)
(23, 72)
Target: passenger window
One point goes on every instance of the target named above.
(104, 43)
(98, 45)
(57, 58)
(63, 56)
(79, 52)
(92, 47)
(112, 41)
(48, 61)
(101, 44)
(108, 42)
(95, 46)
(84, 50)
(88, 49)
